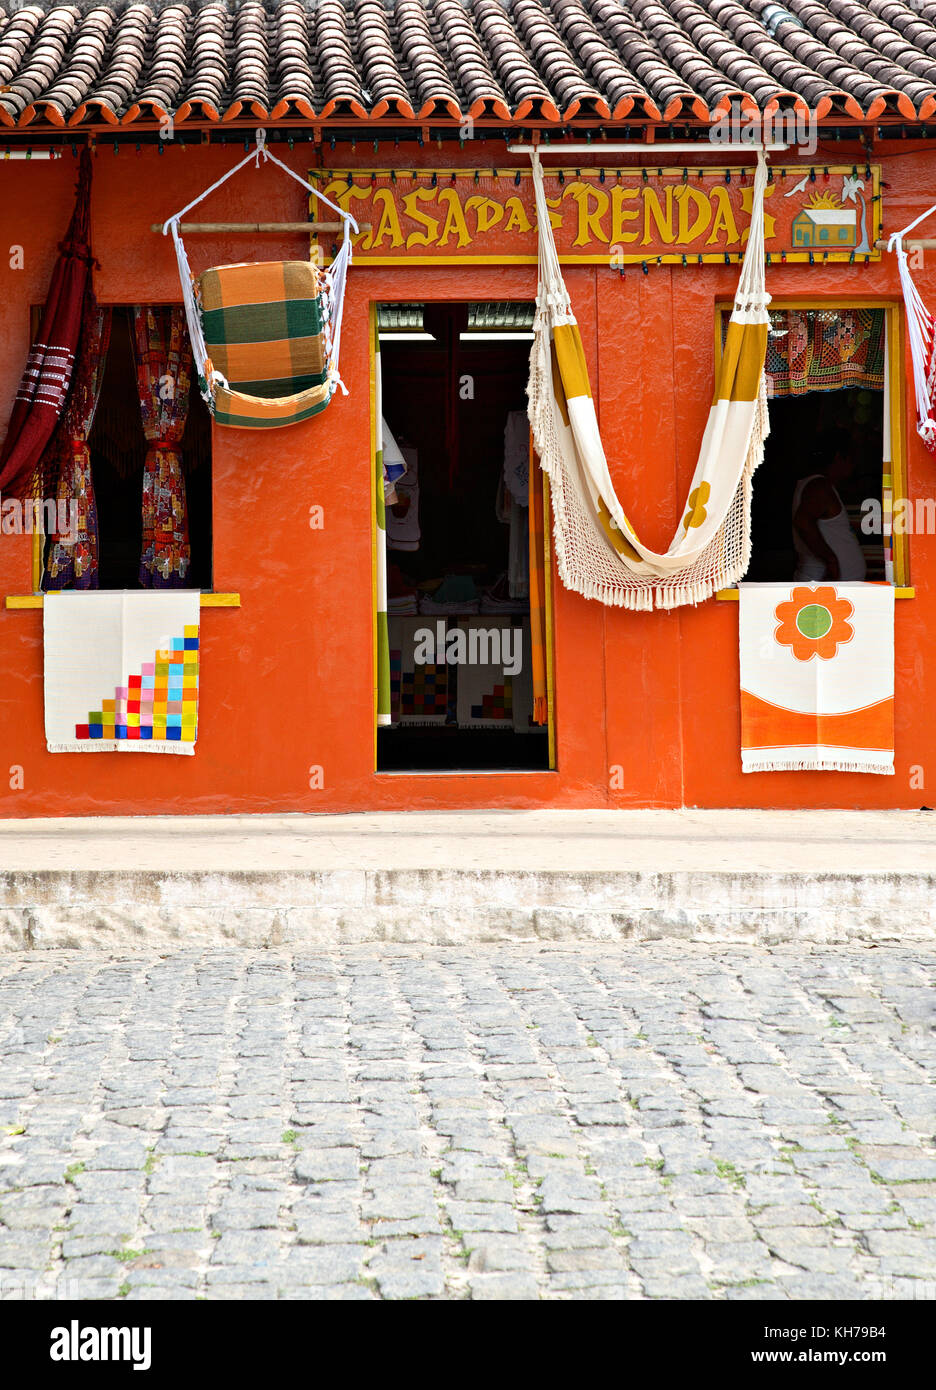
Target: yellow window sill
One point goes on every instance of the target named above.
(206, 600)
(733, 594)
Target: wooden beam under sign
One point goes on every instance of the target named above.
(186, 228)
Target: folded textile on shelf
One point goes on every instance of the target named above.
(457, 593)
(496, 598)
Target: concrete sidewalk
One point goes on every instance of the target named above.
(464, 877)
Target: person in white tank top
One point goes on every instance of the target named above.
(826, 546)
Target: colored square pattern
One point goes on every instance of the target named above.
(424, 691)
(158, 702)
(497, 705)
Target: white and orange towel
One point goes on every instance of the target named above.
(817, 677)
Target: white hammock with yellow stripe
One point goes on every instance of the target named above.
(598, 551)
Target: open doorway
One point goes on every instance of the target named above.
(456, 461)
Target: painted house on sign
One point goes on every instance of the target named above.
(207, 547)
(827, 227)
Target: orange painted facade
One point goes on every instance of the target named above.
(288, 678)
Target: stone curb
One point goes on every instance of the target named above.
(118, 910)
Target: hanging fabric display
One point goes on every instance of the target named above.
(824, 350)
(382, 666)
(44, 388)
(539, 578)
(163, 365)
(403, 530)
(598, 551)
(817, 677)
(421, 691)
(121, 672)
(266, 335)
(71, 561)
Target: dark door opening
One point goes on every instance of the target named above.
(806, 433)
(454, 404)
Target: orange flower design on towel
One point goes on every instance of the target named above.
(813, 622)
(696, 513)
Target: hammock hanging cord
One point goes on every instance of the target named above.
(921, 331)
(334, 278)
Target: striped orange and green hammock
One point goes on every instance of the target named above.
(264, 327)
(265, 335)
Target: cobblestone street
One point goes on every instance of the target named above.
(656, 1121)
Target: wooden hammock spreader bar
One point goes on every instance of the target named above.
(217, 227)
(913, 244)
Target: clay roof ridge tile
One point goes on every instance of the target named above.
(774, 57)
(551, 55)
(167, 60)
(884, 39)
(294, 65)
(642, 55)
(509, 57)
(333, 46)
(250, 60)
(702, 76)
(209, 70)
(375, 51)
(845, 43)
(123, 60)
(80, 55)
(26, 33)
(423, 53)
(467, 58)
(601, 59)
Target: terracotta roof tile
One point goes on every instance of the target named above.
(514, 60)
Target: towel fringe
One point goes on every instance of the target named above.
(882, 768)
(107, 745)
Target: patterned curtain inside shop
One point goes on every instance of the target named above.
(824, 350)
(72, 558)
(164, 372)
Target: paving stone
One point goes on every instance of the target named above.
(328, 1264)
(481, 1216)
(327, 1165)
(560, 1261)
(506, 1287)
(491, 1252)
(246, 1247)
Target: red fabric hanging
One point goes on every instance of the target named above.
(72, 563)
(44, 388)
(164, 373)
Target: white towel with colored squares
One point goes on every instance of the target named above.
(121, 671)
